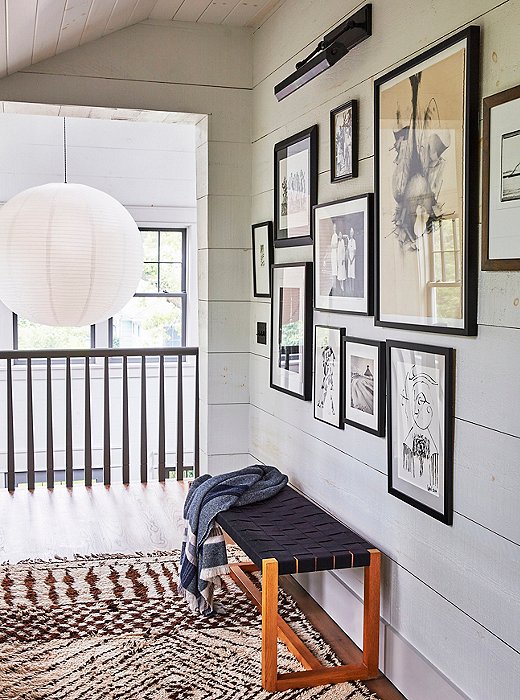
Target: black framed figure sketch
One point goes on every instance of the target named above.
(291, 329)
(420, 405)
(295, 187)
(426, 189)
(262, 244)
(344, 142)
(501, 181)
(327, 374)
(364, 378)
(343, 255)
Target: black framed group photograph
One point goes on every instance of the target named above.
(501, 181)
(344, 142)
(426, 186)
(262, 245)
(342, 255)
(328, 392)
(291, 329)
(295, 187)
(365, 388)
(420, 396)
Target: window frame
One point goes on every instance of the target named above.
(182, 295)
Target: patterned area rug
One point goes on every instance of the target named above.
(114, 628)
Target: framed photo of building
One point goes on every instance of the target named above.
(364, 379)
(263, 258)
(344, 142)
(501, 181)
(295, 187)
(291, 329)
(328, 348)
(343, 255)
(426, 189)
(420, 405)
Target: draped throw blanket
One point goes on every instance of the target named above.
(203, 553)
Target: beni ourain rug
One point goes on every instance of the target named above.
(113, 627)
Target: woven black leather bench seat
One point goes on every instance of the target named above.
(297, 533)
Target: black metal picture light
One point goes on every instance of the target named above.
(334, 45)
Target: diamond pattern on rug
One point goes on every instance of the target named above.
(115, 628)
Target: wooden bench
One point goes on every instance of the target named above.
(286, 535)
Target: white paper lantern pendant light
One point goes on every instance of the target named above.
(70, 255)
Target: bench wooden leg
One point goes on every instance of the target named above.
(274, 627)
(372, 594)
(269, 624)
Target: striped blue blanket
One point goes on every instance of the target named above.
(203, 553)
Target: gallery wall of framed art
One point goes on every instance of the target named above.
(295, 187)
(426, 189)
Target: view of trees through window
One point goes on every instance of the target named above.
(154, 317)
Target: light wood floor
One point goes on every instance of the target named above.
(136, 518)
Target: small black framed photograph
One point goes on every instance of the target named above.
(420, 406)
(328, 394)
(343, 260)
(291, 329)
(364, 377)
(501, 181)
(344, 142)
(263, 258)
(426, 155)
(295, 187)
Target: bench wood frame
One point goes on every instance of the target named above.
(274, 627)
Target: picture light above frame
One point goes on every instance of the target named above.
(332, 48)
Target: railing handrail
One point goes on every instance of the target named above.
(97, 352)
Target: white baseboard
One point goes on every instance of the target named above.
(402, 664)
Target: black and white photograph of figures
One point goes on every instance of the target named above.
(511, 166)
(327, 375)
(362, 384)
(341, 267)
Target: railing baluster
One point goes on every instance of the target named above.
(88, 429)
(162, 436)
(68, 426)
(106, 424)
(196, 444)
(126, 449)
(180, 423)
(144, 447)
(50, 442)
(30, 427)
(11, 480)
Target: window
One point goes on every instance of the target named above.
(154, 317)
(34, 336)
(156, 314)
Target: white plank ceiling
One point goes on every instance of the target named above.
(33, 30)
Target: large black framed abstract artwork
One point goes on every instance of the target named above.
(295, 187)
(291, 329)
(420, 406)
(328, 390)
(343, 255)
(426, 189)
(501, 181)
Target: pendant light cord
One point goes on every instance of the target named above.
(64, 150)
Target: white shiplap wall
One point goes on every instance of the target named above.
(451, 595)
